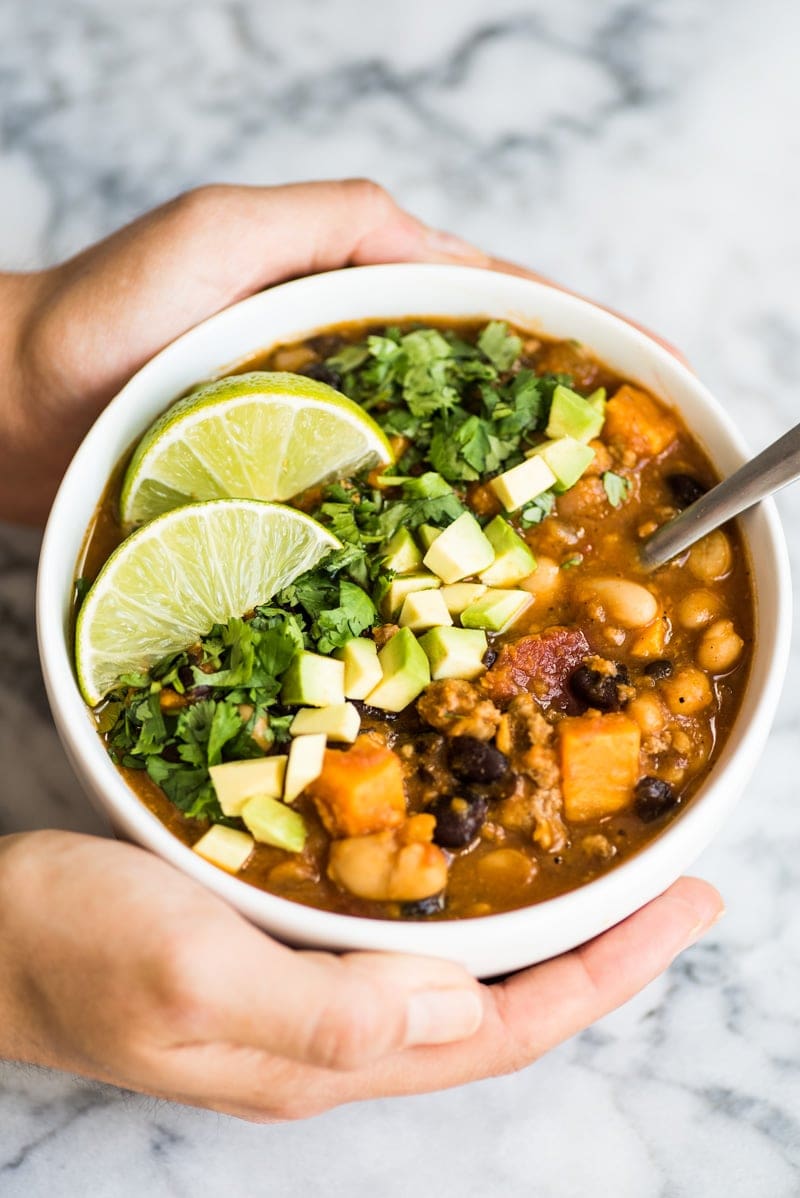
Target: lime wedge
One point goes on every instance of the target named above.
(193, 567)
(256, 436)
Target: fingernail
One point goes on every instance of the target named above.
(709, 914)
(440, 1016)
(449, 248)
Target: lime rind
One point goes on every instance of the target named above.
(262, 435)
(186, 570)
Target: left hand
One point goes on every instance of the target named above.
(71, 336)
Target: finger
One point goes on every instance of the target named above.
(324, 1010)
(502, 266)
(542, 1006)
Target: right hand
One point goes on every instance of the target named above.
(116, 966)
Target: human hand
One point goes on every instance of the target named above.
(71, 336)
(116, 966)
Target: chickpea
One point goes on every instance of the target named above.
(698, 608)
(720, 647)
(292, 357)
(626, 603)
(687, 692)
(681, 742)
(648, 712)
(385, 866)
(711, 558)
(673, 771)
(544, 582)
(508, 868)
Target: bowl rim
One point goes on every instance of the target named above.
(640, 875)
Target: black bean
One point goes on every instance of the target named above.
(489, 657)
(622, 674)
(658, 669)
(323, 373)
(595, 689)
(653, 798)
(197, 693)
(458, 820)
(423, 907)
(186, 675)
(685, 488)
(474, 760)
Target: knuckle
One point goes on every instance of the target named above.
(200, 205)
(369, 194)
(170, 983)
(348, 1035)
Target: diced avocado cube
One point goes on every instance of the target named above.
(362, 669)
(513, 559)
(460, 549)
(427, 534)
(237, 781)
(313, 680)
(403, 585)
(455, 652)
(519, 485)
(597, 400)
(405, 672)
(459, 595)
(566, 457)
(424, 609)
(274, 823)
(573, 416)
(339, 722)
(306, 754)
(402, 554)
(496, 610)
(226, 847)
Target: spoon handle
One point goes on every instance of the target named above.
(772, 469)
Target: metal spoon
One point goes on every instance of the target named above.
(772, 469)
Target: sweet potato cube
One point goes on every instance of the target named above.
(635, 422)
(652, 640)
(599, 764)
(360, 790)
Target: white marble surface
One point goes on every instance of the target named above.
(646, 152)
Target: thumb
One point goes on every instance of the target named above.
(342, 1012)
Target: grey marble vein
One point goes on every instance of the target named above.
(646, 152)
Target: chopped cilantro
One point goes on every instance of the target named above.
(336, 625)
(616, 487)
(537, 509)
(573, 561)
(465, 412)
(499, 346)
(454, 402)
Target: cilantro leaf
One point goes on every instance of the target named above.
(459, 450)
(225, 725)
(616, 487)
(501, 347)
(336, 625)
(535, 511)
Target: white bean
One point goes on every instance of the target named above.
(545, 580)
(626, 603)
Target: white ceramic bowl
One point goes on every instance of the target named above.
(494, 944)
